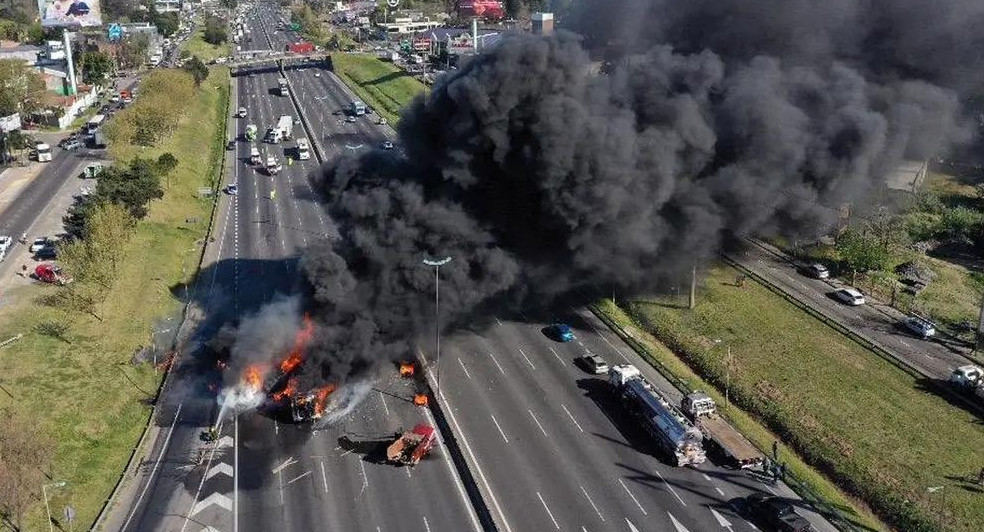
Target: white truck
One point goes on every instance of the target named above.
(43, 152)
(286, 126)
(736, 449)
(283, 87)
(273, 166)
(357, 108)
(303, 151)
(969, 379)
(671, 430)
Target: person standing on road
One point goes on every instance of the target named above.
(273, 194)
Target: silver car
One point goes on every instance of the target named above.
(920, 327)
(850, 296)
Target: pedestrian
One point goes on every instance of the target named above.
(775, 450)
(980, 477)
(782, 471)
(290, 161)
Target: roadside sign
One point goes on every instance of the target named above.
(115, 32)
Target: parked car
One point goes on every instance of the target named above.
(38, 244)
(850, 296)
(387, 145)
(920, 327)
(775, 513)
(232, 189)
(5, 242)
(241, 113)
(46, 253)
(350, 119)
(72, 145)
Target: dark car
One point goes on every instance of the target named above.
(46, 253)
(78, 9)
(560, 332)
(775, 513)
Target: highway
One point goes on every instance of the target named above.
(263, 474)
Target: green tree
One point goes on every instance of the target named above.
(197, 69)
(76, 220)
(12, 30)
(166, 163)
(863, 251)
(21, 88)
(25, 454)
(961, 224)
(167, 23)
(132, 51)
(132, 187)
(96, 66)
(35, 34)
(215, 31)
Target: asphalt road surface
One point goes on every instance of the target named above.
(264, 474)
(934, 357)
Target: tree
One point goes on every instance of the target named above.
(863, 252)
(96, 66)
(166, 163)
(95, 257)
(25, 455)
(229, 4)
(167, 23)
(215, 31)
(76, 220)
(21, 88)
(131, 187)
(197, 69)
(132, 51)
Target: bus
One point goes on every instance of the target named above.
(303, 152)
(95, 123)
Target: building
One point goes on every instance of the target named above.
(12, 50)
(167, 6)
(543, 23)
(403, 25)
(457, 41)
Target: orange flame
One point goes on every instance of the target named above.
(406, 369)
(420, 399)
(288, 391)
(322, 399)
(303, 336)
(253, 377)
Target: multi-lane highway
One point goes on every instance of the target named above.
(546, 443)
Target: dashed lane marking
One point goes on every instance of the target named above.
(549, 513)
(576, 424)
(503, 434)
(636, 501)
(588, 497)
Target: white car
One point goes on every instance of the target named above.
(232, 189)
(850, 296)
(387, 145)
(920, 327)
(817, 271)
(241, 113)
(38, 244)
(5, 242)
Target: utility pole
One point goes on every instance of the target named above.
(437, 311)
(47, 507)
(693, 287)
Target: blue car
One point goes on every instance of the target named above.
(562, 332)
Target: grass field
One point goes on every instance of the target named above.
(84, 389)
(196, 45)
(381, 85)
(861, 420)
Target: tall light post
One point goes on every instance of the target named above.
(44, 491)
(437, 310)
(727, 376)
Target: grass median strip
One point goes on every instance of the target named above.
(865, 423)
(383, 86)
(80, 384)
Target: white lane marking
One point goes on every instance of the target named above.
(719, 491)
(677, 524)
(626, 488)
(547, 509)
(578, 425)
(768, 487)
(407, 469)
(280, 480)
(537, 421)
(588, 497)
(299, 477)
(324, 477)
(427, 525)
(157, 464)
(288, 462)
(671, 488)
(528, 361)
(632, 527)
(463, 368)
(215, 498)
(721, 520)
(496, 363)
(707, 478)
(552, 350)
(503, 434)
(276, 427)
(235, 477)
(365, 478)
(383, 400)
(903, 342)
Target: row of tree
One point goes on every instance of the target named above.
(215, 31)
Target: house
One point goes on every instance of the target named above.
(403, 25)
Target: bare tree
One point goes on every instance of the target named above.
(25, 453)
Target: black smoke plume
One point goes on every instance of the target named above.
(541, 176)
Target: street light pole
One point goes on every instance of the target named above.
(44, 491)
(437, 310)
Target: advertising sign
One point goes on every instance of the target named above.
(115, 32)
(10, 123)
(70, 13)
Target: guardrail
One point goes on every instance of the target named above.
(128, 470)
(859, 339)
(831, 513)
(315, 142)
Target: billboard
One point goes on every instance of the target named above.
(70, 13)
(10, 123)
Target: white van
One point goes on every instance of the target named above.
(254, 156)
(44, 152)
(303, 151)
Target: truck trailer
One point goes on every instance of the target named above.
(737, 450)
(670, 429)
(286, 127)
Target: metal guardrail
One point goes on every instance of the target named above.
(831, 513)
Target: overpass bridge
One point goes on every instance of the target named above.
(248, 58)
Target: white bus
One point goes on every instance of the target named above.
(303, 152)
(95, 123)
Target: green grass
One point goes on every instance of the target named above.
(856, 417)
(78, 390)
(383, 86)
(197, 46)
(672, 366)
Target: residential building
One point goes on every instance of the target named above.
(167, 6)
(403, 25)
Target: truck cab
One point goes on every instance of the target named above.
(696, 404)
(273, 166)
(303, 153)
(273, 135)
(254, 156)
(44, 152)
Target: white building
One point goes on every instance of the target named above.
(403, 25)
(166, 6)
